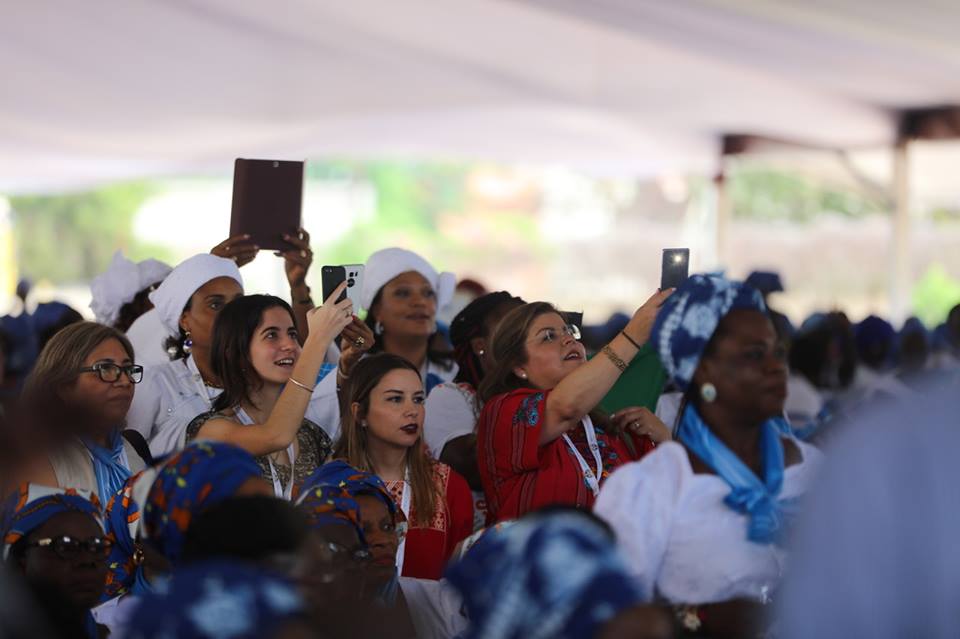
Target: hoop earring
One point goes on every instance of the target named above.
(187, 343)
(378, 328)
(708, 392)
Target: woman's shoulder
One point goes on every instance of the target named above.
(193, 428)
(667, 464)
(316, 432)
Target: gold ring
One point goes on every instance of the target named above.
(303, 253)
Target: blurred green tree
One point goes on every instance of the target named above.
(71, 237)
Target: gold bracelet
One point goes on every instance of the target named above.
(302, 385)
(613, 357)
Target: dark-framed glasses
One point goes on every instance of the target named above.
(70, 548)
(110, 372)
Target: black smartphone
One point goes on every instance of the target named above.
(675, 269)
(332, 276)
(267, 201)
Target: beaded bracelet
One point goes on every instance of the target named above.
(613, 357)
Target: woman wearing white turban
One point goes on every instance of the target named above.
(402, 293)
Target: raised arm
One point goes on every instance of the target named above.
(280, 429)
(581, 391)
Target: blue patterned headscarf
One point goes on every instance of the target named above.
(325, 505)
(689, 318)
(217, 600)
(554, 575)
(352, 480)
(34, 505)
(198, 477)
(123, 522)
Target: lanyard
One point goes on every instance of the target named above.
(278, 489)
(593, 480)
(404, 528)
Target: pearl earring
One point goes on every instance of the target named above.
(481, 352)
(708, 392)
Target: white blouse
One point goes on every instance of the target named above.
(451, 411)
(681, 542)
(165, 403)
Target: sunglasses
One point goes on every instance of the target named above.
(68, 548)
(111, 372)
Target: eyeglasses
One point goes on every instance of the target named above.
(340, 553)
(547, 335)
(110, 373)
(68, 548)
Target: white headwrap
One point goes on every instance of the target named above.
(172, 296)
(386, 264)
(113, 288)
(120, 283)
(152, 272)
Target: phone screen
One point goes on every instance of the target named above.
(675, 268)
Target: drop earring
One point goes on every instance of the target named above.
(378, 328)
(708, 392)
(187, 343)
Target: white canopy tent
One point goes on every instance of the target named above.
(99, 90)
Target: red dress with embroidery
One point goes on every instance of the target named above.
(429, 547)
(520, 475)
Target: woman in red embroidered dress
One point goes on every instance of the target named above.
(382, 427)
(540, 440)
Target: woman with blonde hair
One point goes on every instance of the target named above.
(382, 433)
(78, 395)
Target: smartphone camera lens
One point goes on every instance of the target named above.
(351, 282)
(276, 164)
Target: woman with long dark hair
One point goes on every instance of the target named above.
(267, 385)
(382, 431)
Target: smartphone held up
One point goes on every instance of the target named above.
(675, 268)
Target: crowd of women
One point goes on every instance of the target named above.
(204, 461)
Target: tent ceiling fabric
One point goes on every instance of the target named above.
(98, 90)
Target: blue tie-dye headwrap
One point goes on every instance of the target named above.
(198, 477)
(554, 575)
(689, 318)
(217, 599)
(33, 505)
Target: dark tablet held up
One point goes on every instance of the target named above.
(267, 199)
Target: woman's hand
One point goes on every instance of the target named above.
(357, 339)
(297, 260)
(238, 248)
(330, 319)
(640, 421)
(640, 325)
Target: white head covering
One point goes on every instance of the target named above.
(113, 288)
(120, 283)
(386, 264)
(171, 296)
(152, 272)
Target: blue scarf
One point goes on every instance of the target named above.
(749, 495)
(108, 466)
